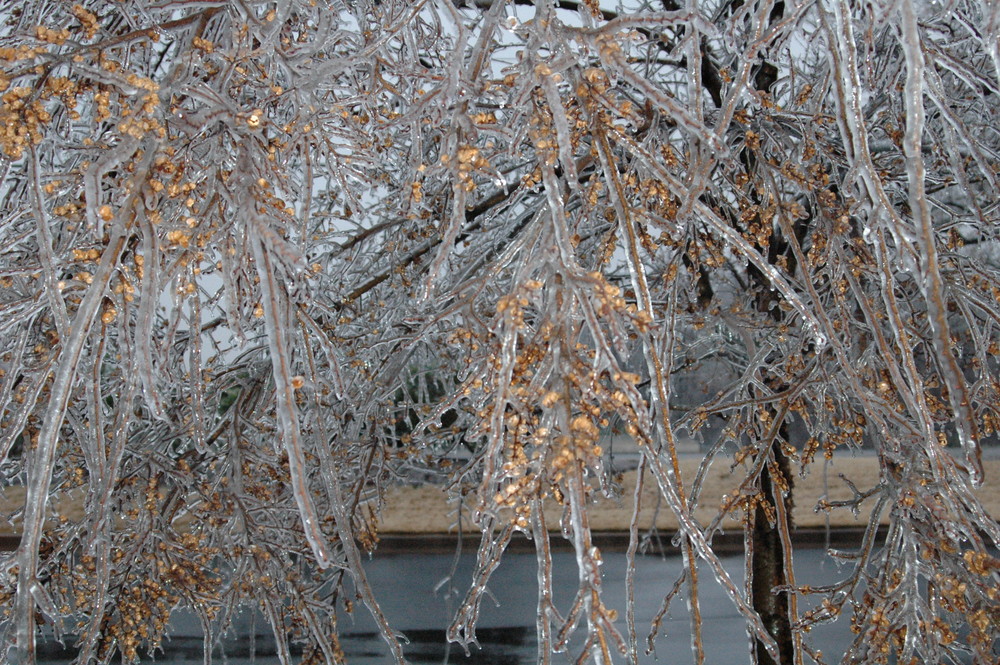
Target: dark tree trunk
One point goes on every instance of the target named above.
(768, 566)
(768, 559)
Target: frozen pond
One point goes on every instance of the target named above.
(405, 585)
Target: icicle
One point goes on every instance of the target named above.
(110, 160)
(332, 362)
(149, 296)
(44, 454)
(933, 287)
(198, 415)
(52, 291)
(454, 226)
(278, 344)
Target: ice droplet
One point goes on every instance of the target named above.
(819, 339)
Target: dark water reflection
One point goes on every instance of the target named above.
(417, 599)
(498, 646)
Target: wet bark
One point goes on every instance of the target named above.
(767, 564)
(768, 568)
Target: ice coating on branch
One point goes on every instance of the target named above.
(263, 265)
(275, 317)
(934, 292)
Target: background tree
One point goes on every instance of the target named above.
(245, 242)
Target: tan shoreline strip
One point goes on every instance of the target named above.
(428, 510)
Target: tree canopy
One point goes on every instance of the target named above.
(262, 259)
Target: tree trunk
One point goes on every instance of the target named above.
(768, 567)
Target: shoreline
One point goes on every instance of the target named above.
(423, 517)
